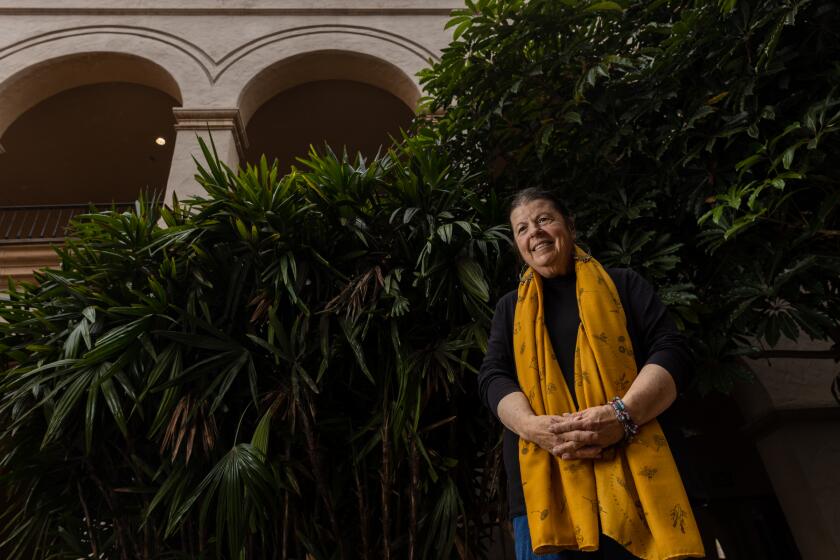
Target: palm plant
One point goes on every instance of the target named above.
(281, 368)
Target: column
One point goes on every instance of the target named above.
(228, 134)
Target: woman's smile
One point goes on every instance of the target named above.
(541, 245)
(544, 237)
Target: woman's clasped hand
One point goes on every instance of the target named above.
(577, 435)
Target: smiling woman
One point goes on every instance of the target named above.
(581, 361)
(544, 232)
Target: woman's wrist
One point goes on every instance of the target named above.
(525, 426)
(516, 414)
(622, 414)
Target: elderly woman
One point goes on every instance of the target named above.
(580, 362)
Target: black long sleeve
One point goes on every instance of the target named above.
(652, 332)
(497, 376)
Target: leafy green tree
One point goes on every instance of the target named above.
(696, 140)
(280, 367)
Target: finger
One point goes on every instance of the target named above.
(566, 447)
(585, 424)
(580, 436)
(589, 452)
(565, 424)
(563, 448)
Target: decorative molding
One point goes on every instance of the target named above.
(53, 11)
(212, 67)
(421, 52)
(303, 30)
(18, 261)
(213, 119)
(199, 55)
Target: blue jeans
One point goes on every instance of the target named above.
(608, 549)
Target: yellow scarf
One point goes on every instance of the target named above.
(637, 494)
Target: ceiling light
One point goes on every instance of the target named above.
(160, 141)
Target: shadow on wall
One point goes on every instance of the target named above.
(342, 113)
(94, 143)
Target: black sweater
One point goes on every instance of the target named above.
(652, 332)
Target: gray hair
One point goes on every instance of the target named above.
(537, 193)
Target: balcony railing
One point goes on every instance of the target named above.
(44, 223)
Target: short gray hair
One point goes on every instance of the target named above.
(538, 193)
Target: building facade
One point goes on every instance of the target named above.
(102, 99)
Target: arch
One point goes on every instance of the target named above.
(326, 65)
(42, 65)
(346, 115)
(340, 34)
(216, 80)
(105, 141)
(36, 83)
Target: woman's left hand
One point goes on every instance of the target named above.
(587, 433)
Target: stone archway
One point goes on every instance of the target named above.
(94, 143)
(96, 116)
(77, 129)
(48, 77)
(324, 65)
(345, 99)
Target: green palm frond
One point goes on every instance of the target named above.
(333, 315)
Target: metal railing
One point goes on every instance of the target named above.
(44, 222)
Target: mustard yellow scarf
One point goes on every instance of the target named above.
(636, 494)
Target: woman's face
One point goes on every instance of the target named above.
(544, 238)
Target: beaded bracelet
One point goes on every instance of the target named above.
(630, 427)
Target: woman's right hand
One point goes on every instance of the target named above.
(516, 413)
(547, 431)
(538, 430)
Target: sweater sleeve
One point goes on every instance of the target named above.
(661, 343)
(497, 376)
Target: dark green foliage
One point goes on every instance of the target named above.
(696, 140)
(283, 367)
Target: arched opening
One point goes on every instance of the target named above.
(344, 114)
(32, 85)
(92, 127)
(346, 99)
(95, 143)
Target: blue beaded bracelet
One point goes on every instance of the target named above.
(630, 427)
